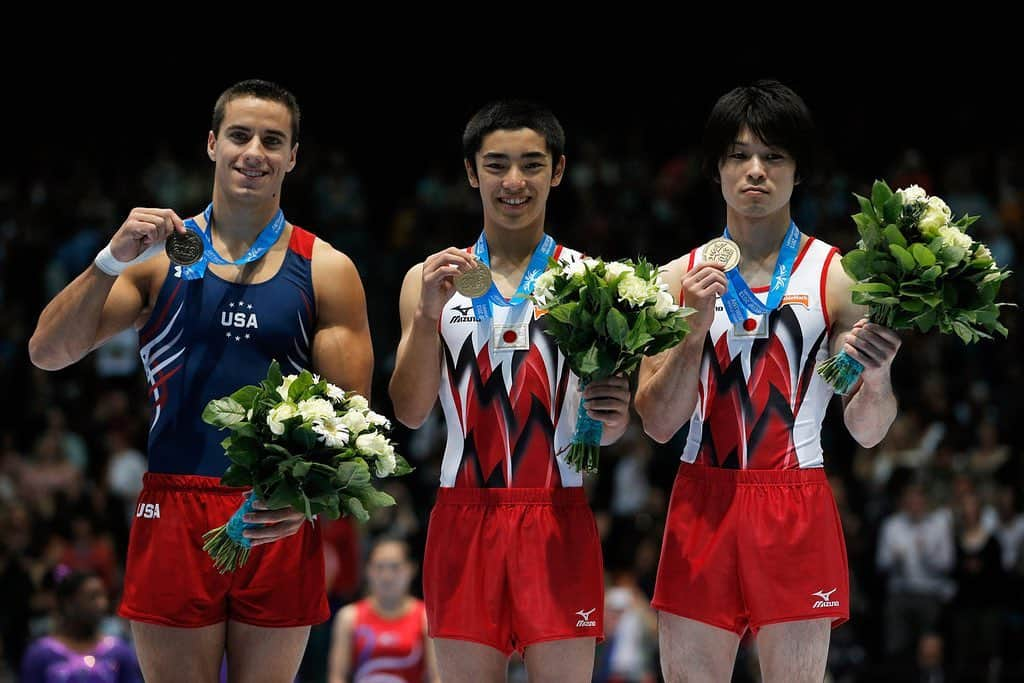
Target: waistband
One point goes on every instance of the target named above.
(724, 475)
(572, 495)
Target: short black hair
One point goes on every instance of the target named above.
(772, 112)
(262, 90)
(389, 539)
(513, 115)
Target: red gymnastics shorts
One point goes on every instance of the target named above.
(747, 548)
(510, 568)
(171, 581)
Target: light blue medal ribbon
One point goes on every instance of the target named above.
(538, 264)
(738, 300)
(266, 239)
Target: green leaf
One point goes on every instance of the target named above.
(872, 288)
(274, 377)
(563, 312)
(922, 254)
(353, 474)
(869, 230)
(301, 469)
(866, 208)
(855, 264)
(913, 305)
(894, 236)
(237, 475)
(352, 506)
(589, 364)
(903, 256)
(964, 332)
(618, 326)
(402, 466)
(277, 450)
(223, 412)
(932, 273)
(305, 437)
(244, 430)
(247, 395)
(372, 499)
(926, 320)
(299, 386)
(880, 196)
(893, 209)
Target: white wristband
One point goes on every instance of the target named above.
(106, 262)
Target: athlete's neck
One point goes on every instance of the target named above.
(511, 250)
(237, 225)
(79, 638)
(390, 608)
(760, 237)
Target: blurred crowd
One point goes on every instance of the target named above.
(932, 515)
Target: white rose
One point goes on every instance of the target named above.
(332, 431)
(935, 216)
(277, 417)
(665, 305)
(982, 252)
(636, 291)
(355, 421)
(914, 193)
(374, 444)
(335, 393)
(315, 408)
(386, 464)
(575, 269)
(358, 402)
(282, 390)
(543, 287)
(952, 237)
(248, 415)
(378, 420)
(614, 269)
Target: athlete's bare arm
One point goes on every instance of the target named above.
(667, 387)
(342, 351)
(95, 306)
(426, 289)
(341, 646)
(870, 407)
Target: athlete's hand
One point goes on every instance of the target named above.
(438, 272)
(142, 229)
(277, 524)
(873, 346)
(607, 401)
(700, 286)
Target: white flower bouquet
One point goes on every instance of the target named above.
(605, 317)
(302, 442)
(916, 267)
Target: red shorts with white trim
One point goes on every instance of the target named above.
(171, 581)
(747, 548)
(510, 568)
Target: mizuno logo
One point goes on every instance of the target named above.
(462, 315)
(826, 599)
(586, 620)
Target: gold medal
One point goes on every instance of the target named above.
(184, 249)
(474, 283)
(722, 250)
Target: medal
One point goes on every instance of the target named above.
(474, 283)
(184, 249)
(722, 250)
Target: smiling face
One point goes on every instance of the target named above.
(757, 179)
(252, 150)
(514, 173)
